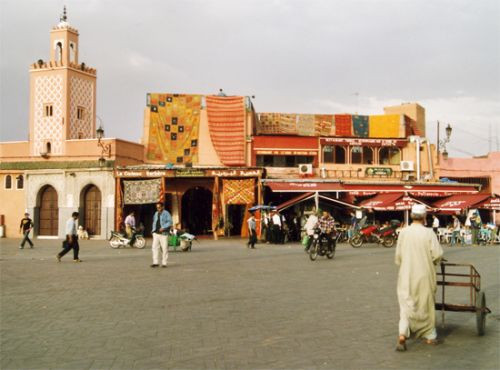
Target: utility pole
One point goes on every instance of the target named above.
(437, 144)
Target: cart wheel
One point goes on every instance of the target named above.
(481, 313)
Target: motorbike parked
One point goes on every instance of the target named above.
(117, 240)
(321, 246)
(372, 234)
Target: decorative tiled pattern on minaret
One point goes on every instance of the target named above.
(81, 95)
(48, 89)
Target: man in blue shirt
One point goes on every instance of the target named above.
(162, 222)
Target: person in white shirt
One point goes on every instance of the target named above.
(276, 228)
(455, 233)
(435, 224)
(71, 241)
(311, 223)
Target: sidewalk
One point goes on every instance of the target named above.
(223, 306)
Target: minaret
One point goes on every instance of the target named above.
(62, 95)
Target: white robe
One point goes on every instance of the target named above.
(417, 252)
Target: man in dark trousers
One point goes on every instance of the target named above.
(25, 228)
(252, 231)
(71, 241)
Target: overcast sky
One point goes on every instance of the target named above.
(311, 56)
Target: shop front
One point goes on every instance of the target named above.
(203, 201)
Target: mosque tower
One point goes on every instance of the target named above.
(62, 95)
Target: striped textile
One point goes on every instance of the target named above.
(343, 125)
(226, 123)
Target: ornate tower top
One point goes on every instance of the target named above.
(64, 16)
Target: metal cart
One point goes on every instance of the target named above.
(455, 274)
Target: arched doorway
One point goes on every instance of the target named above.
(92, 210)
(49, 212)
(197, 211)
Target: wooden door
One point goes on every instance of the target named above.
(49, 212)
(92, 219)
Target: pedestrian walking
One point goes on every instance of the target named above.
(252, 231)
(25, 228)
(417, 253)
(162, 222)
(276, 228)
(71, 241)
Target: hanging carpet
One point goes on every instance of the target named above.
(306, 125)
(226, 123)
(173, 128)
(324, 124)
(142, 191)
(360, 126)
(385, 126)
(343, 125)
(238, 191)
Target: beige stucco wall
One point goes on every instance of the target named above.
(413, 110)
(13, 204)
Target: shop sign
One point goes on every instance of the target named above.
(363, 142)
(234, 173)
(378, 171)
(286, 152)
(189, 172)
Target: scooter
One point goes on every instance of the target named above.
(117, 240)
(372, 234)
(321, 246)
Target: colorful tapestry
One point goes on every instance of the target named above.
(343, 125)
(268, 123)
(238, 191)
(288, 124)
(217, 216)
(173, 128)
(142, 191)
(306, 125)
(385, 126)
(323, 124)
(360, 125)
(226, 123)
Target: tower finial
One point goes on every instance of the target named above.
(64, 16)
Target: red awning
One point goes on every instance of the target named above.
(304, 186)
(391, 202)
(293, 201)
(492, 203)
(415, 190)
(458, 202)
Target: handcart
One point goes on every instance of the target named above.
(455, 274)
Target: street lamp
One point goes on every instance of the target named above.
(105, 148)
(442, 143)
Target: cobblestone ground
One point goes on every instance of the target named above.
(223, 306)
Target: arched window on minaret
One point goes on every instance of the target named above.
(48, 147)
(59, 52)
(72, 53)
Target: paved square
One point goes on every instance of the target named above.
(223, 306)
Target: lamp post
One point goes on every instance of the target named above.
(441, 144)
(105, 148)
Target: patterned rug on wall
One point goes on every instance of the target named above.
(238, 191)
(142, 191)
(343, 125)
(226, 123)
(173, 128)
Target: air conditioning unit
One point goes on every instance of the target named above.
(305, 169)
(407, 166)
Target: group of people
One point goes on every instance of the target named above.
(471, 231)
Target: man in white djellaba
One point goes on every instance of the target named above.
(417, 253)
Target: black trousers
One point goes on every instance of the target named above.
(26, 239)
(252, 238)
(68, 245)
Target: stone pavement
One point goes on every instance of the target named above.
(223, 306)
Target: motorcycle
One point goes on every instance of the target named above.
(372, 234)
(117, 240)
(321, 246)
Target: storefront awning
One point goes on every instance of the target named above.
(414, 190)
(391, 202)
(458, 202)
(294, 201)
(492, 203)
(347, 204)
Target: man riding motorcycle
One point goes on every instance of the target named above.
(326, 224)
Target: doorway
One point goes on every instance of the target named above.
(235, 216)
(92, 210)
(196, 211)
(49, 212)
